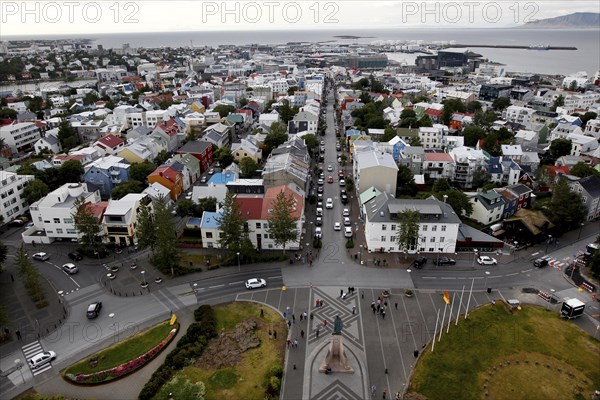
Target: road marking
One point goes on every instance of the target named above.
(429, 277)
(31, 350)
(74, 282)
(235, 283)
(447, 277)
(213, 287)
(513, 274)
(274, 277)
(526, 270)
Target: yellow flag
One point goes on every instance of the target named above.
(173, 319)
(446, 297)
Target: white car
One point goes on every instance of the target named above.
(188, 195)
(41, 359)
(255, 283)
(485, 260)
(70, 268)
(320, 181)
(337, 226)
(342, 182)
(346, 213)
(211, 171)
(329, 203)
(348, 232)
(329, 168)
(318, 233)
(347, 221)
(40, 256)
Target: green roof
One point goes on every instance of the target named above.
(236, 118)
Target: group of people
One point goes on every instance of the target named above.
(378, 261)
(379, 307)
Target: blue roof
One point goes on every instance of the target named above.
(210, 220)
(220, 178)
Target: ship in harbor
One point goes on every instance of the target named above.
(539, 47)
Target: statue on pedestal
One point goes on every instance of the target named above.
(336, 360)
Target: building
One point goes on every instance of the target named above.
(120, 219)
(374, 168)
(170, 178)
(191, 163)
(438, 165)
(248, 147)
(201, 150)
(432, 138)
(109, 145)
(53, 214)
(106, 173)
(210, 229)
(491, 92)
(49, 143)
(304, 121)
(519, 115)
(217, 134)
(142, 149)
(488, 207)
(20, 136)
(467, 161)
(13, 204)
(438, 226)
(589, 189)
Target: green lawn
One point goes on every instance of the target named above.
(123, 351)
(536, 355)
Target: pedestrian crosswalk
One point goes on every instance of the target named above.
(31, 350)
(555, 263)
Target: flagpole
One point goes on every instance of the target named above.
(435, 332)
(460, 305)
(469, 301)
(442, 324)
(450, 316)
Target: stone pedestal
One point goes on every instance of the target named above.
(336, 360)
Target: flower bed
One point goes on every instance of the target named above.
(123, 369)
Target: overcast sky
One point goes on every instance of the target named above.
(115, 16)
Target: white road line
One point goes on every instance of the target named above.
(447, 277)
(213, 287)
(429, 277)
(526, 270)
(513, 274)
(75, 282)
(274, 277)
(236, 283)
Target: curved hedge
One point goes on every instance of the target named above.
(119, 371)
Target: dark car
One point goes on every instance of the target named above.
(344, 198)
(540, 263)
(75, 256)
(94, 309)
(444, 261)
(419, 262)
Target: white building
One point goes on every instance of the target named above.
(12, 202)
(432, 138)
(53, 214)
(374, 168)
(120, 218)
(148, 119)
(20, 136)
(582, 144)
(520, 115)
(438, 226)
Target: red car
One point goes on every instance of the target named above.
(330, 179)
(341, 174)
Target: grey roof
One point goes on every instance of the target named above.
(194, 146)
(591, 184)
(51, 139)
(409, 150)
(369, 159)
(467, 232)
(384, 208)
(519, 189)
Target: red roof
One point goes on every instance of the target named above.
(110, 140)
(247, 112)
(166, 172)
(250, 207)
(553, 170)
(271, 195)
(66, 157)
(437, 157)
(169, 127)
(433, 112)
(98, 209)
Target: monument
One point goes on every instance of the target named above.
(336, 360)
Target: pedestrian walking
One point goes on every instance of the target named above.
(324, 322)
(305, 314)
(384, 393)
(6, 332)
(289, 343)
(341, 292)
(302, 334)
(274, 334)
(378, 307)
(284, 314)
(396, 305)
(289, 323)
(270, 333)
(383, 314)
(310, 262)
(317, 303)
(353, 310)
(374, 310)
(301, 317)
(18, 333)
(294, 318)
(372, 304)
(398, 395)
(296, 343)
(262, 313)
(317, 333)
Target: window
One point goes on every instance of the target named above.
(258, 225)
(424, 228)
(442, 239)
(432, 240)
(57, 220)
(423, 239)
(383, 238)
(434, 228)
(392, 238)
(209, 235)
(383, 227)
(68, 220)
(443, 228)
(266, 235)
(59, 231)
(393, 227)
(431, 249)
(209, 245)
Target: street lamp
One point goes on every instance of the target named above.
(238, 256)
(487, 273)
(361, 247)
(311, 229)
(580, 228)
(109, 276)
(19, 366)
(475, 251)
(515, 251)
(144, 278)
(550, 299)
(548, 242)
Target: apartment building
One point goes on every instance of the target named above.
(12, 202)
(20, 136)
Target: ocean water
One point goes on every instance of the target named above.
(585, 58)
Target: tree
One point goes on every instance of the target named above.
(473, 107)
(586, 117)
(140, 171)
(458, 201)
(441, 185)
(566, 207)
(35, 190)
(480, 178)
(123, 189)
(7, 113)
(224, 110)
(87, 225)
(501, 103)
(70, 171)
(408, 113)
(349, 184)
(425, 122)
(485, 119)
(186, 207)
(558, 102)
(274, 139)
(388, 135)
(145, 231)
(582, 170)
(452, 106)
(286, 112)
(491, 144)
(207, 204)
(415, 141)
(161, 157)
(223, 156)
(573, 85)
(28, 169)
(67, 135)
(405, 182)
(248, 167)
(30, 276)
(594, 264)
(560, 147)
(472, 135)
(282, 223)
(165, 254)
(231, 223)
(408, 233)
(3, 255)
(312, 143)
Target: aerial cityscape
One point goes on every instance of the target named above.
(294, 200)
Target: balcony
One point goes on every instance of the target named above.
(116, 180)
(115, 172)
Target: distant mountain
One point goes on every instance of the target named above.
(575, 20)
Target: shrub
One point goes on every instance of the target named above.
(349, 244)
